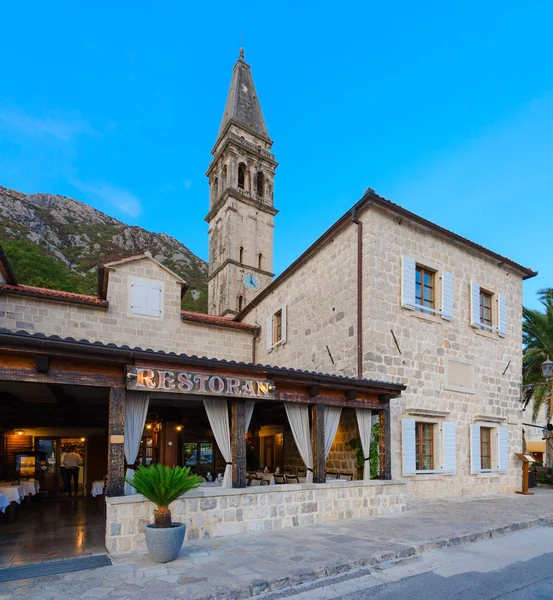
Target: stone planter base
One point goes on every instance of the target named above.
(164, 543)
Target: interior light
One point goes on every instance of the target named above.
(82, 439)
(149, 426)
(19, 431)
(179, 427)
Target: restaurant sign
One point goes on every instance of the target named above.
(190, 382)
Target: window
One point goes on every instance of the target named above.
(485, 448)
(486, 308)
(146, 297)
(260, 261)
(424, 288)
(277, 327)
(241, 176)
(260, 184)
(215, 188)
(275, 330)
(240, 303)
(241, 254)
(224, 176)
(424, 444)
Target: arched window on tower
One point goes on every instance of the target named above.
(215, 188)
(260, 261)
(240, 303)
(242, 176)
(241, 255)
(224, 181)
(260, 184)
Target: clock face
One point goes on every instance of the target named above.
(250, 281)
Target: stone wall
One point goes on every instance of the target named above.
(120, 326)
(321, 311)
(343, 458)
(212, 512)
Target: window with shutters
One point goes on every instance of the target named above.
(424, 289)
(486, 308)
(277, 327)
(485, 448)
(275, 330)
(424, 446)
(146, 297)
(489, 448)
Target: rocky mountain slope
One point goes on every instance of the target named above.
(67, 239)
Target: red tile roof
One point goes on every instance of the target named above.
(56, 295)
(197, 317)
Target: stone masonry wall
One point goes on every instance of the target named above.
(321, 309)
(341, 457)
(119, 326)
(216, 513)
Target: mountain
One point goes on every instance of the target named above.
(57, 242)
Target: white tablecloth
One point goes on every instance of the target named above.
(97, 488)
(31, 487)
(210, 484)
(15, 493)
(4, 502)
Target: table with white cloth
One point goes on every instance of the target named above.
(31, 487)
(15, 493)
(97, 488)
(210, 484)
(4, 502)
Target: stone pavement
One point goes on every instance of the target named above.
(247, 565)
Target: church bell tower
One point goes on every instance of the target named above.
(241, 212)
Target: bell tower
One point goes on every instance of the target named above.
(241, 212)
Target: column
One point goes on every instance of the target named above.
(238, 440)
(116, 440)
(385, 443)
(318, 443)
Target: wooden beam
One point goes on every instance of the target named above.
(116, 451)
(238, 436)
(104, 380)
(318, 443)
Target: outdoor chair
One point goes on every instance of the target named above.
(254, 481)
(279, 479)
(346, 476)
(332, 474)
(292, 479)
(301, 473)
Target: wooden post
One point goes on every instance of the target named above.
(238, 437)
(385, 443)
(318, 443)
(116, 440)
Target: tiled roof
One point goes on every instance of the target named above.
(133, 353)
(57, 295)
(197, 317)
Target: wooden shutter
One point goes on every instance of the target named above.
(447, 296)
(154, 299)
(475, 458)
(139, 297)
(475, 304)
(269, 333)
(283, 323)
(408, 446)
(502, 315)
(408, 279)
(503, 449)
(449, 440)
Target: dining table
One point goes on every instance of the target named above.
(4, 502)
(31, 487)
(15, 493)
(97, 488)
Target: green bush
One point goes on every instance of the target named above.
(355, 443)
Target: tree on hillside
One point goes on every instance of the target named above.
(537, 336)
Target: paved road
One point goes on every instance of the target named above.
(516, 567)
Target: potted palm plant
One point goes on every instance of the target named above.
(162, 485)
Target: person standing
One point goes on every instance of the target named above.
(71, 462)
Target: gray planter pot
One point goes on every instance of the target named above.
(164, 543)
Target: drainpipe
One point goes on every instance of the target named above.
(359, 224)
(254, 339)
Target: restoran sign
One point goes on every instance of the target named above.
(204, 384)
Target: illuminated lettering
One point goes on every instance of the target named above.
(166, 380)
(145, 378)
(185, 385)
(263, 388)
(216, 389)
(248, 388)
(200, 380)
(233, 386)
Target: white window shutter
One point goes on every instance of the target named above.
(502, 315)
(503, 449)
(475, 304)
(447, 296)
(154, 299)
(449, 440)
(283, 319)
(269, 333)
(408, 280)
(408, 446)
(475, 458)
(139, 297)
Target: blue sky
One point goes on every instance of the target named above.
(443, 107)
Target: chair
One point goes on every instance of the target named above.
(254, 481)
(289, 472)
(279, 478)
(332, 475)
(265, 482)
(346, 476)
(301, 473)
(292, 479)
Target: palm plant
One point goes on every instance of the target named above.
(162, 485)
(537, 336)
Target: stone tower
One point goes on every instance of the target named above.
(241, 212)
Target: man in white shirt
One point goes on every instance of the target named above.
(71, 461)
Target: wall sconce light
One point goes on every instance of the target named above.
(83, 440)
(149, 426)
(179, 427)
(19, 431)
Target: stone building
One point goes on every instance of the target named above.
(398, 345)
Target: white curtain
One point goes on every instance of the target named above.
(331, 422)
(364, 422)
(298, 417)
(249, 413)
(217, 414)
(136, 410)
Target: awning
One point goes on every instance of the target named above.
(535, 446)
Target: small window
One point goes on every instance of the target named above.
(215, 188)
(224, 176)
(260, 184)
(485, 448)
(486, 307)
(241, 255)
(260, 261)
(277, 327)
(241, 176)
(424, 446)
(240, 303)
(424, 289)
